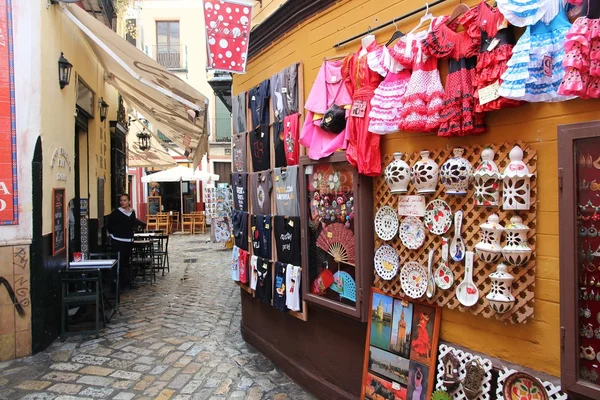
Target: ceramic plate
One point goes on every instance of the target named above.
(386, 223)
(438, 217)
(386, 262)
(412, 232)
(413, 279)
(443, 277)
(523, 386)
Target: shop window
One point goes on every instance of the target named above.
(579, 213)
(168, 45)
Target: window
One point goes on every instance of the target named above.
(222, 122)
(168, 46)
(131, 31)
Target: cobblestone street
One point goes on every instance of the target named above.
(177, 339)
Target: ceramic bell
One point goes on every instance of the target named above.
(487, 180)
(516, 252)
(456, 173)
(500, 296)
(425, 174)
(516, 190)
(397, 174)
(489, 248)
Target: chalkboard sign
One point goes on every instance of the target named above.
(58, 222)
(189, 204)
(154, 205)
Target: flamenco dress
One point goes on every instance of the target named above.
(458, 116)
(363, 150)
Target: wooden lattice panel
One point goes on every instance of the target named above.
(554, 392)
(524, 283)
(464, 358)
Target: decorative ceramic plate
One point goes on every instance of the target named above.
(386, 223)
(523, 386)
(443, 277)
(413, 279)
(438, 217)
(412, 232)
(386, 262)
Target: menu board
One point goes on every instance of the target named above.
(154, 203)
(58, 221)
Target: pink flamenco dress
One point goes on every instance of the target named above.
(582, 60)
(329, 88)
(424, 97)
(363, 150)
(388, 98)
(458, 115)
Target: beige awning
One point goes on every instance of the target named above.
(155, 157)
(171, 105)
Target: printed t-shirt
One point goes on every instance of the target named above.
(240, 190)
(287, 239)
(258, 103)
(235, 260)
(290, 134)
(244, 259)
(240, 228)
(280, 282)
(279, 144)
(264, 286)
(289, 90)
(276, 96)
(253, 272)
(261, 186)
(239, 152)
(260, 148)
(238, 107)
(286, 191)
(293, 278)
(261, 235)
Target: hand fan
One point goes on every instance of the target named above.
(338, 241)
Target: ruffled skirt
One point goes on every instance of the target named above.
(387, 103)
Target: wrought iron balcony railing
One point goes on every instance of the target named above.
(172, 57)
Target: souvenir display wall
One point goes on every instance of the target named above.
(456, 228)
(401, 349)
(218, 201)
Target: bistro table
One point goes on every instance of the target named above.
(103, 266)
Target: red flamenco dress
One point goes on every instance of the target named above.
(363, 150)
(458, 116)
(489, 26)
(422, 343)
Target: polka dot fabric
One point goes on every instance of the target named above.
(227, 32)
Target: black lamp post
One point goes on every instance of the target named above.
(143, 139)
(64, 71)
(103, 108)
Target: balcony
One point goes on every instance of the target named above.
(220, 129)
(172, 57)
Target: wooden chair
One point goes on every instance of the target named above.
(164, 223)
(80, 287)
(187, 225)
(174, 219)
(199, 223)
(151, 222)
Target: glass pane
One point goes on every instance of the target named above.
(174, 32)
(588, 245)
(162, 32)
(332, 270)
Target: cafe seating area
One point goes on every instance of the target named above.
(190, 223)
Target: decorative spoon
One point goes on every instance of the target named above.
(457, 247)
(430, 282)
(444, 277)
(467, 293)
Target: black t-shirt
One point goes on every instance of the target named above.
(264, 285)
(287, 239)
(240, 190)
(240, 228)
(260, 226)
(258, 103)
(279, 144)
(260, 148)
(279, 283)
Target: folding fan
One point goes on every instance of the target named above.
(338, 241)
(344, 285)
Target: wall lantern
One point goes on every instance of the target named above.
(143, 139)
(103, 106)
(64, 71)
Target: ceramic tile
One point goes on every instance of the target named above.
(7, 319)
(7, 347)
(21, 260)
(23, 343)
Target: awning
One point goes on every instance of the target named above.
(180, 173)
(171, 105)
(154, 157)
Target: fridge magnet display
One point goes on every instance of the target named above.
(386, 223)
(401, 349)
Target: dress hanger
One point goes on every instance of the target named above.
(396, 35)
(427, 17)
(458, 12)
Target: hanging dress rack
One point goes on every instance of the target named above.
(397, 19)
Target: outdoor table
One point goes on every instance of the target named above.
(144, 235)
(102, 265)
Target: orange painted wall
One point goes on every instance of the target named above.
(536, 344)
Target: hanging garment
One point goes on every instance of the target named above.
(264, 285)
(279, 295)
(235, 264)
(260, 228)
(258, 103)
(529, 12)
(289, 89)
(239, 183)
(279, 144)
(260, 148)
(363, 150)
(244, 259)
(293, 279)
(240, 228)
(328, 89)
(287, 239)
(239, 152)
(253, 272)
(238, 108)
(290, 137)
(260, 191)
(286, 191)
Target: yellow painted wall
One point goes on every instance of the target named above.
(536, 344)
(262, 12)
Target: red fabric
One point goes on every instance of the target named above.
(243, 265)
(290, 138)
(422, 343)
(363, 150)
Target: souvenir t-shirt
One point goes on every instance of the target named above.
(260, 192)
(276, 95)
(239, 152)
(260, 226)
(286, 191)
(293, 278)
(258, 103)
(244, 259)
(280, 286)
(289, 90)
(291, 135)
(240, 190)
(287, 239)
(279, 144)
(260, 148)
(235, 259)
(238, 107)
(253, 272)
(264, 286)
(240, 228)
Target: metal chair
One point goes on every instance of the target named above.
(111, 279)
(161, 253)
(80, 287)
(142, 259)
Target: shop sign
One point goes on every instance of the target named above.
(227, 25)
(60, 160)
(9, 210)
(411, 206)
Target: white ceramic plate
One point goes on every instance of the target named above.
(412, 232)
(438, 217)
(386, 223)
(413, 279)
(386, 262)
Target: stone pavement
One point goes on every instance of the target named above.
(177, 339)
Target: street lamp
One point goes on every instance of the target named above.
(143, 139)
(103, 108)
(64, 71)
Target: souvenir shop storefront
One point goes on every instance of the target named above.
(415, 205)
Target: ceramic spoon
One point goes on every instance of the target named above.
(444, 278)
(430, 282)
(457, 247)
(467, 293)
